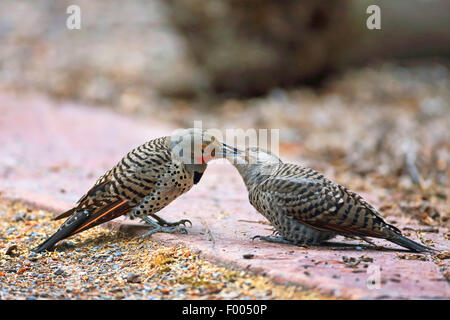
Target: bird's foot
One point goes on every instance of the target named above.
(159, 228)
(164, 223)
(272, 239)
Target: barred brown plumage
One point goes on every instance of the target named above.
(307, 208)
(143, 182)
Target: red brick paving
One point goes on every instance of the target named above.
(51, 154)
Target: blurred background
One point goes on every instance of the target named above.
(368, 107)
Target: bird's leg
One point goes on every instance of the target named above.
(158, 228)
(164, 223)
(145, 208)
(273, 239)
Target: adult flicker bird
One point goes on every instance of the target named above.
(146, 180)
(306, 208)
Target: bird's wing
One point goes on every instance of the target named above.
(98, 186)
(116, 193)
(103, 214)
(102, 203)
(131, 179)
(322, 205)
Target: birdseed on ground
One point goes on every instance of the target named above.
(103, 264)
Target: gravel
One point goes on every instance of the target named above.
(101, 264)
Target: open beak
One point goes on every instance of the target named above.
(229, 151)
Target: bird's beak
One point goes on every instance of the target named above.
(229, 151)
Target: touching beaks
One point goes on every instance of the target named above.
(229, 151)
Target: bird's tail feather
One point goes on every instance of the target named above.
(410, 244)
(71, 224)
(83, 220)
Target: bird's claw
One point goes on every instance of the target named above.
(255, 237)
(164, 223)
(172, 229)
(272, 239)
(177, 223)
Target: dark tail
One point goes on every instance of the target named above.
(83, 220)
(409, 244)
(68, 227)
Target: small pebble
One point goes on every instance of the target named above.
(19, 216)
(66, 244)
(10, 230)
(58, 272)
(133, 278)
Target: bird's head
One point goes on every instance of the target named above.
(197, 146)
(255, 164)
(257, 156)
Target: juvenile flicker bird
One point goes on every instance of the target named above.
(146, 180)
(306, 208)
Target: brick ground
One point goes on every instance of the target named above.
(50, 155)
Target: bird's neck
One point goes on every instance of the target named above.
(254, 174)
(199, 168)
